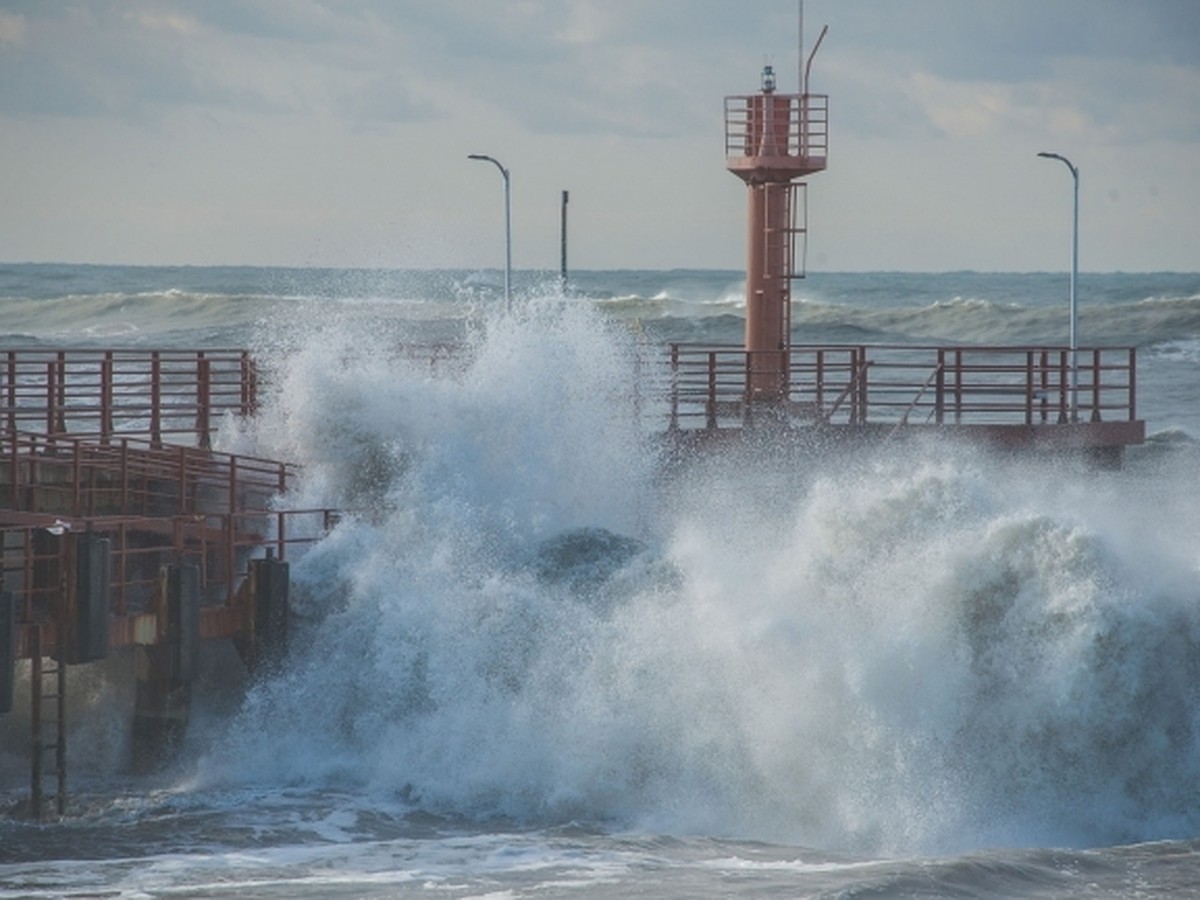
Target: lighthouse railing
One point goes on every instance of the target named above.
(797, 123)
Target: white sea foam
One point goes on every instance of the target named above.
(923, 650)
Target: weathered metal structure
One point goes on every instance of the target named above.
(1040, 397)
(772, 139)
(122, 531)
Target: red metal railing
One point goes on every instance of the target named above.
(73, 476)
(878, 384)
(167, 395)
(803, 121)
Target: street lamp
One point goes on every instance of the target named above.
(1074, 278)
(507, 228)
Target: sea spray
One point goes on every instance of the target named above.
(915, 650)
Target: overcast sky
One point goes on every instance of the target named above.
(336, 132)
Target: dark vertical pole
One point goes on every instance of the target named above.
(60, 419)
(203, 402)
(8, 647)
(563, 268)
(1132, 384)
(270, 611)
(940, 400)
(11, 386)
(85, 638)
(60, 743)
(106, 396)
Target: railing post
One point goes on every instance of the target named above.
(124, 468)
(230, 559)
(76, 478)
(864, 395)
(1044, 368)
(249, 385)
(958, 387)
(203, 401)
(1096, 385)
(674, 387)
(14, 463)
(233, 487)
(1063, 388)
(181, 465)
(51, 395)
(1029, 387)
(819, 387)
(11, 391)
(711, 404)
(60, 420)
(1132, 383)
(939, 399)
(155, 400)
(106, 396)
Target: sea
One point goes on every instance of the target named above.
(538, 657)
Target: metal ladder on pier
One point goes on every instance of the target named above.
(48, 729)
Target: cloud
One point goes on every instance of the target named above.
(618, 99)
(12, 29)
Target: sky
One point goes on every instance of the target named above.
(336, 132)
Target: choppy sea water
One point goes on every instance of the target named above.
(534, 664)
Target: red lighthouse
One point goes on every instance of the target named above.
(771, 140)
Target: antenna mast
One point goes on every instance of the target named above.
(800, 45)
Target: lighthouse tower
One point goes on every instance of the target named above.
(771, 140)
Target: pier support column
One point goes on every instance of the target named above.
(269, 611)
(84, 620)
(165, 670)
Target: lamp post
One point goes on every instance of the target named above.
(507, 228)
(1074, 279)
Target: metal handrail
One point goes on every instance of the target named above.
(932, 379)
(130, 474)
(166, 394)
(963, 384)
(856, 383)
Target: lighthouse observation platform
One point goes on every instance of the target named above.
(775, 136)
